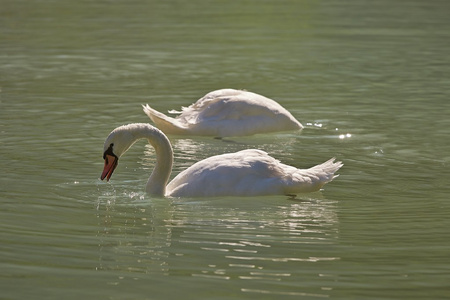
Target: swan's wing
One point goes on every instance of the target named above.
(249, 173)
(244, 173)
(229, 104)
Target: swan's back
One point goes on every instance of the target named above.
(248, 173)
(230, 112)
(239, 173)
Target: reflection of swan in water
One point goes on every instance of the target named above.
(245, 173)
(149, 239)
(255, 239)
(133, 235)
(226, 112)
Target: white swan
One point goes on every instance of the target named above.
(245, 173)
(225, 113)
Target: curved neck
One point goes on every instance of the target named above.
(157, 181)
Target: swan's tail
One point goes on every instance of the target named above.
(327, 169)
(167, 124)
(313, 179)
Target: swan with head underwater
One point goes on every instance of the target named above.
(248, 172)
(225, 113)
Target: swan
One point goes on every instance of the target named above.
(224, 113)
(245, 173)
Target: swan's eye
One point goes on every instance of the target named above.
(109, 151)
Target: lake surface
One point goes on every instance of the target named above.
(368, 79)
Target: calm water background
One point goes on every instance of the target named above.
(368, 79)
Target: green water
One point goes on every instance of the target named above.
(369, 80)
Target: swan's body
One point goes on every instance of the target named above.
(245, 173)
(226, 112)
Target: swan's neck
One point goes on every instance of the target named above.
(157, 181)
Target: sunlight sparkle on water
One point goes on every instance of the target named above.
(315, 124)
(344, 136)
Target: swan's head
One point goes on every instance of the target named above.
(116, 144)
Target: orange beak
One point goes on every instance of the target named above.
(111, 162)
